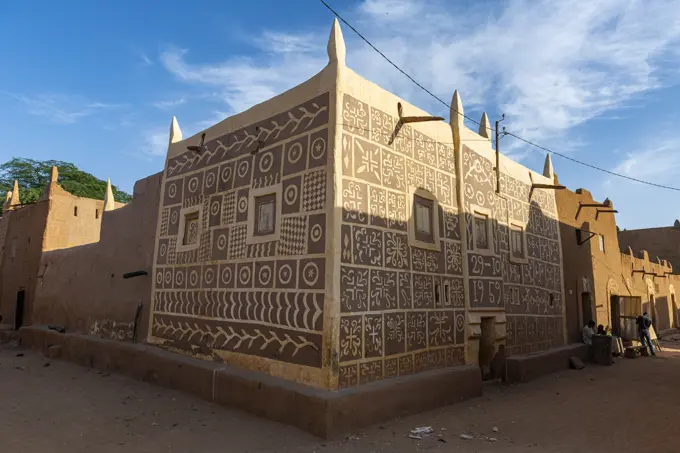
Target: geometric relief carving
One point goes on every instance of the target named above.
(292, 346)
(370, 371)
(424, 149)
(173, 192)
(215, 210)
(318, 148)
(314, 191)
(367, 160)
(423, 291)
(454, 258)
(173, 220)
(383, 293)
(368, 246)
(210, 181)
(353, 289)
(395, 333)
(378, 208)
(441, 326)
(293, 236)
(373, 335)
(404, 281)
(382, 127)
(312, 273)
(286, 273)
(355, 117)
(393, 168)
(396, 211)
(292, 194)
(316, 240)
(354, 202)
(267, 168)
(295, 158)
(351, 328)
(348, 376)
(416, 330)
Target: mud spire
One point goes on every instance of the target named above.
(175, 131)
(336, 45)
(109, 202)
(456, 117)
(14, 201)
(548, 170)
(485, 127)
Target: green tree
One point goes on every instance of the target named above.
(33, 176)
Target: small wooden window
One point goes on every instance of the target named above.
(423, 210)
(517, 241)
(265, 215)
(578, 236)
(190, 228)
(601, 243)
(75, 211)
(96, 213)
(481, 231)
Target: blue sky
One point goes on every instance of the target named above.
(97, 83)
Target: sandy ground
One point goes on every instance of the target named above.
(53, 406)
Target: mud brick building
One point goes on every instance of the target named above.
(662, 242)
(324, 250)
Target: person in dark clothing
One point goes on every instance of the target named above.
(644, 323)
(600, 330)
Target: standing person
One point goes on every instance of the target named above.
(644, 322)
(588, 332)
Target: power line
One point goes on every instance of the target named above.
(528, 142)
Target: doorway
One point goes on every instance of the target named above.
(586, 308)
(19, 312)
(486, 346)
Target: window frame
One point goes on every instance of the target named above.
(252, 236)
(183, 214)
(522, 227)
(600, 241)
(415, 239)
(474, 212)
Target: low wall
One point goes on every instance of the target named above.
(325, 413)
(82, 288)
(525, 368)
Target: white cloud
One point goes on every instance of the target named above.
(156, 142)
(169, 104)
(61, 108)
(659, 162)
(549, 66)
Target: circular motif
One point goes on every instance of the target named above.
(193, 278)
(291, 194)
(294, 153)
(222, 242)
(285, 274)
(215, 207)
(265, 275)
(244, 275)
(318, 148)
(172, 190)
(243, 168)
(226, 173)
(480, 198)
(266, 162)
(179, 278)
(242, 204)
(316, 232)
(159, 278)
(209, 276)
(226, 275)
(193, 184)
(310, 273)
(168, 277)
(164, 249)
(460, 323)
(210, 179)
(173, 217)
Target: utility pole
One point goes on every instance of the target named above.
(498, 156)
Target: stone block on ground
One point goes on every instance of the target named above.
(576, 363)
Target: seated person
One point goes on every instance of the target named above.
(588, 332)
(600, 330)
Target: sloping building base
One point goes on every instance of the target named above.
(324, 413)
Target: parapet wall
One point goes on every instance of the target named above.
(82, 288)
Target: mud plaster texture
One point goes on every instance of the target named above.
(327, 414)
(82, 288)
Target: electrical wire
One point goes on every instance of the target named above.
(528, 142)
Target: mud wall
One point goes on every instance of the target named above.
(20, 258)
(82, 288)
(662, 242)
(223, 292)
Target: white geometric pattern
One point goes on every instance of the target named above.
(314, 191)
(293, 236)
